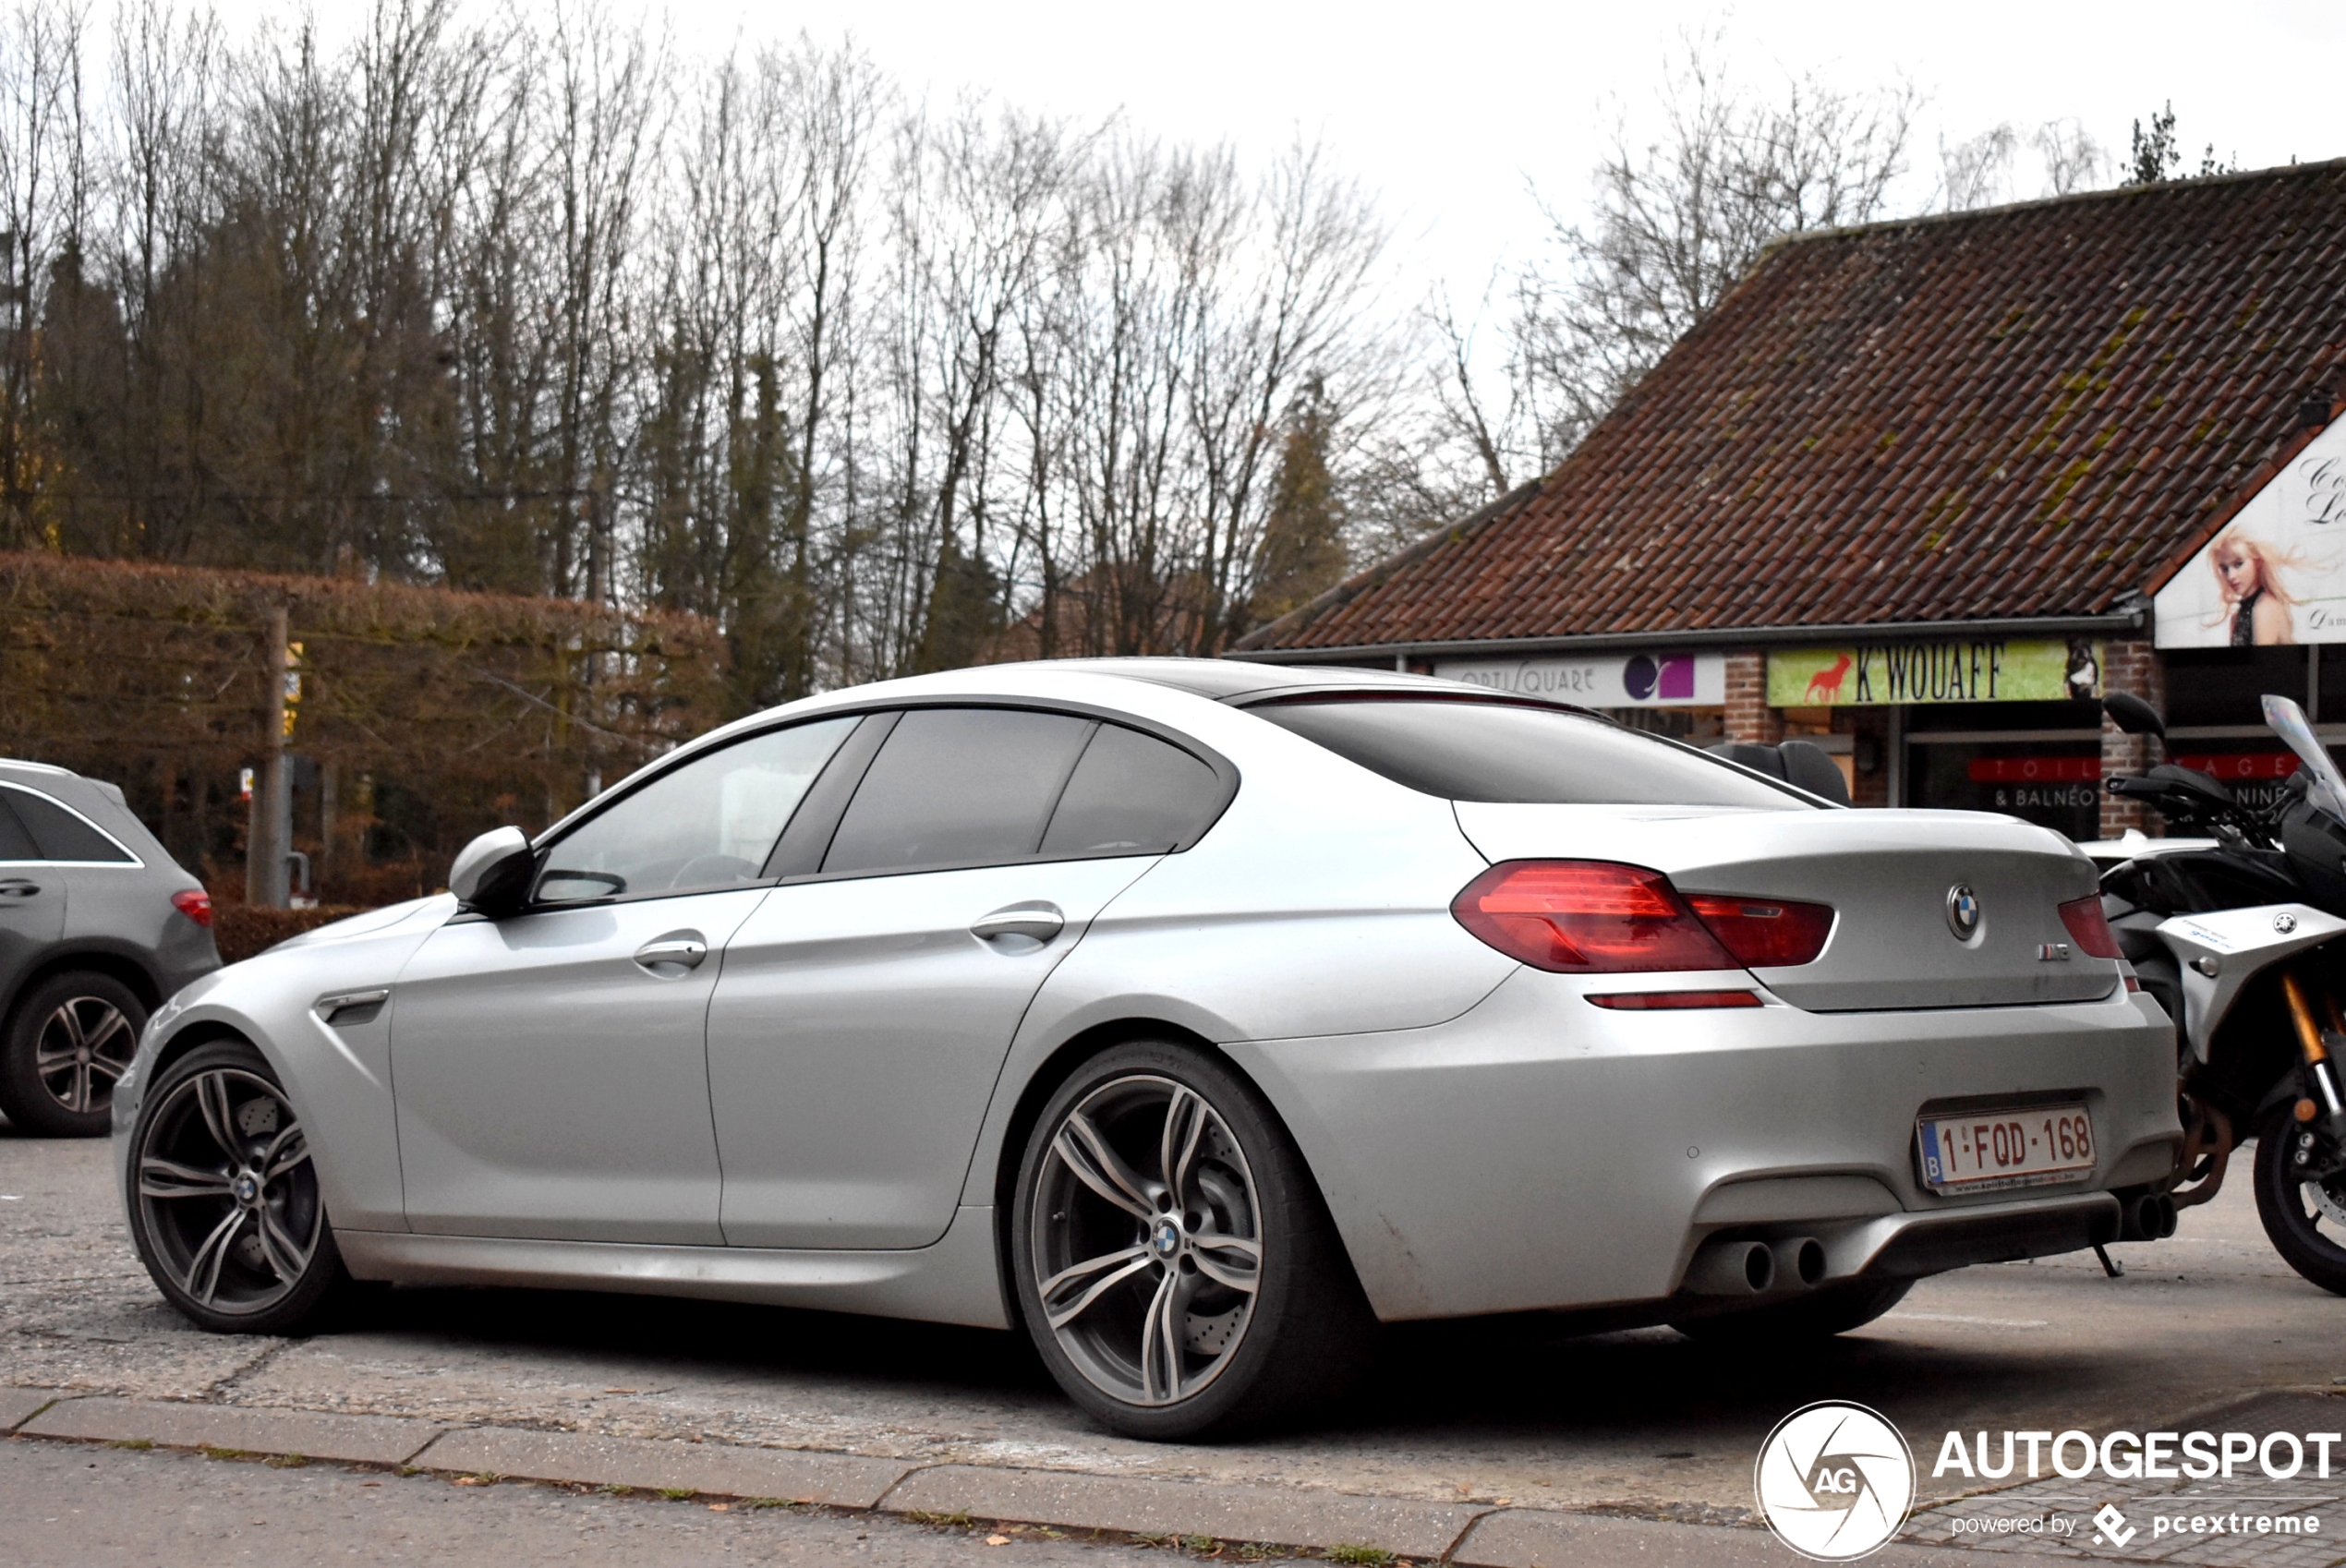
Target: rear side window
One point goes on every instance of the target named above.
(1133, 794)
(58, 835)
(16, 844)
(1463, 750)
(958, 787)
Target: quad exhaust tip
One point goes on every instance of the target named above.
(2148, 1216)
(1757, 1268)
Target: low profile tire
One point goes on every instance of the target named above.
(1821, 1314)
(224, 1207)
(2306, 1220)
(1173, 1259)
(68, 1040)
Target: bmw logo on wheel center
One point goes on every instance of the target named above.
(1963, 911)
(1834, 1480)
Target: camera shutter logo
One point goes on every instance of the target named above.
(1834, 1480)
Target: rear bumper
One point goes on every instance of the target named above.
(1539, 1152)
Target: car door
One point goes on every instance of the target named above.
(866, 1006)
(549, 1069)
(32, 901)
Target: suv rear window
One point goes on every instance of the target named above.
(1462, 749)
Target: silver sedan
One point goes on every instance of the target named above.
(1190, 1017)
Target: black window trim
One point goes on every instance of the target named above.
(1224, 771)
(130, 861)
(834, 799)
(1322, 695)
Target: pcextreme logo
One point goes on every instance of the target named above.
(1834, 1480)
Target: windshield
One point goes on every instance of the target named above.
(1468, 749)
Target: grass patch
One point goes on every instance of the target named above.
(211, 1452)
(612, 1488)
(958, 1520)
(140, 1445)
(289, 1461)
(678, 1494)
(774, 1503)
(405, 1470)
(1204, 1546)
(1362, 1556)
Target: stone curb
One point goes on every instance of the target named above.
(1534, 1538)
(19, 1406)
(1146, 1507)
(835, 1480)
(351, 1439)
(1463, 1533)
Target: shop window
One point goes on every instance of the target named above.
(2055, 784)
(1932, 717)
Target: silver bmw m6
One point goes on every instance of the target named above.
(1190, 1017)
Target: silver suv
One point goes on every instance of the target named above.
(98, 924)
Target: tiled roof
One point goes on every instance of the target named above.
(2023, 412)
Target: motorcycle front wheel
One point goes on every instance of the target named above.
(2306, 1220)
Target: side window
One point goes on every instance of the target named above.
(958, 787)
(1133, 794)
(59, 835)
(707, 824)
(16, 844)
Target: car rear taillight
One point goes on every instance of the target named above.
(1765, 932)
(1587, 917)
(2090, 927)
(195, 903)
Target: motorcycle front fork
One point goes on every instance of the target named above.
(2323, 1106)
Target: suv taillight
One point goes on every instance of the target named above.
(1600, 917)
(2090, 927)
(195, 903)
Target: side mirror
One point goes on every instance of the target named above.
(2133, 715)
(491, 874)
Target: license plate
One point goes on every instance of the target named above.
(2032, 1146)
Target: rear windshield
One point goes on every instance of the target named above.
(1466, 749)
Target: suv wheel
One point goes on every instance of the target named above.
(70, 1037)
(1174, 1263)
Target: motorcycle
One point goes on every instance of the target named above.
(2238, 943)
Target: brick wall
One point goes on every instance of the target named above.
(2132, 665)
(1748, 715)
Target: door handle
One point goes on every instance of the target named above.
(17, 887)
(672, 955)
(1037, 922)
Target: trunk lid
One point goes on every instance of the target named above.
(1888, 874)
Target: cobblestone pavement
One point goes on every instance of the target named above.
(1646, 1423)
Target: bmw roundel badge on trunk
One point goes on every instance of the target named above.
(1963, 911)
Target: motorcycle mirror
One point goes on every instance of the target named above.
(2286, 719)
(2133, 715)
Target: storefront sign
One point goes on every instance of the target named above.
(1985, 670)
(2276, 572)
(1621, 680)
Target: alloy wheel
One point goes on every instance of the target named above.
(1147, 1239)
(227, 1192)
(84, 1045)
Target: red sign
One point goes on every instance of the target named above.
(2243, 764)
(2035, 770)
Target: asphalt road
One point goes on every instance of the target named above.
(1646, 1422)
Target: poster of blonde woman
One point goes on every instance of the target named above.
(2276, 572)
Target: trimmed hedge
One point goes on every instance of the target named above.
(242, 930)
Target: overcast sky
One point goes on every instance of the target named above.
(1449, 111)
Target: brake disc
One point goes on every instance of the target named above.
(2332, 1207)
